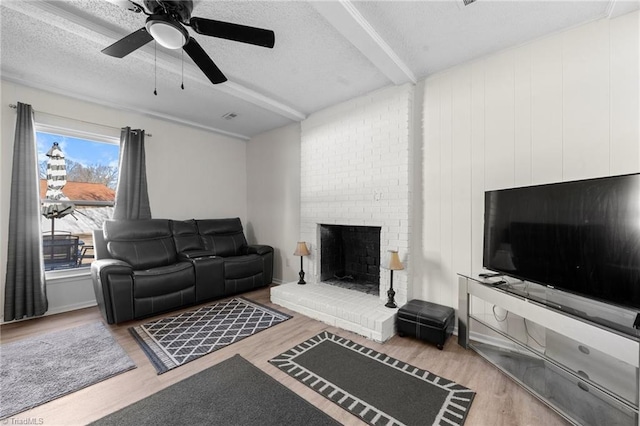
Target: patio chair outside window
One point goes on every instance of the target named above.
(60, 251)
(86, 252)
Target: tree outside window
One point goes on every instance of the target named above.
(92, 173)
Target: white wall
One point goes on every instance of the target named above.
(273, 197)
(191, 173)
(561, 108)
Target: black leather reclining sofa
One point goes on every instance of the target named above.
(146, 267)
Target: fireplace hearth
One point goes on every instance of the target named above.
(350, 257)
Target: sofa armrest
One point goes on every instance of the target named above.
(113, 287)
(266, 253)
(259, 249)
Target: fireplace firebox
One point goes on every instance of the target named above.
(350, 257)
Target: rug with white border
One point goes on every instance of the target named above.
(377, 388)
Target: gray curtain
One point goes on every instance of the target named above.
(132, 198)
(25, 290)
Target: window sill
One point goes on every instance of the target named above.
(67, 274)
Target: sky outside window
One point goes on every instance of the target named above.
(83, 151)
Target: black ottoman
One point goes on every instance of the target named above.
(426, 321)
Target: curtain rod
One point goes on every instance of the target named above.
(14, 106)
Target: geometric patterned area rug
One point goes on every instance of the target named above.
(375, 387)
(175, 340)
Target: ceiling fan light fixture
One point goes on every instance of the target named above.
(167, 32)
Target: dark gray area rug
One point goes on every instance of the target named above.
(373, 386)
(234, 392)
(42, 368)
(174, 340)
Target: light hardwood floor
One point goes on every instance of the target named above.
(498, 401)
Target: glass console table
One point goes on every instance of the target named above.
(578, 356)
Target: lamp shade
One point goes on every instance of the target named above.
(301, 249)
(392, 261)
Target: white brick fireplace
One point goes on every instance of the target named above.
(355, 170)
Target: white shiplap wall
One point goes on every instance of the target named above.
(561, 108)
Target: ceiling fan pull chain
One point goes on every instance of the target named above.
(182, 57)
(155, 67)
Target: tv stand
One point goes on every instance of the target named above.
(573, 355)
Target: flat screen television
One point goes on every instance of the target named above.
(580, 236)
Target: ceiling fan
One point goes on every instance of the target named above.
(165, 24)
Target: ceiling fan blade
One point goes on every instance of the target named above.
(203, 61)
(128, 44)
(235, 32)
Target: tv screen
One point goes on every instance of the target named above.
(580, 236)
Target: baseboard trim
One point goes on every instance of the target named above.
(69, 308)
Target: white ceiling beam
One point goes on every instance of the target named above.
(349, 22)
(89, 30)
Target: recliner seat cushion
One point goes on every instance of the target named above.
(163, 280)
(242, 266)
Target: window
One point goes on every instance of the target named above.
(91, 164)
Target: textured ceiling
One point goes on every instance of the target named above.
(325, 52)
